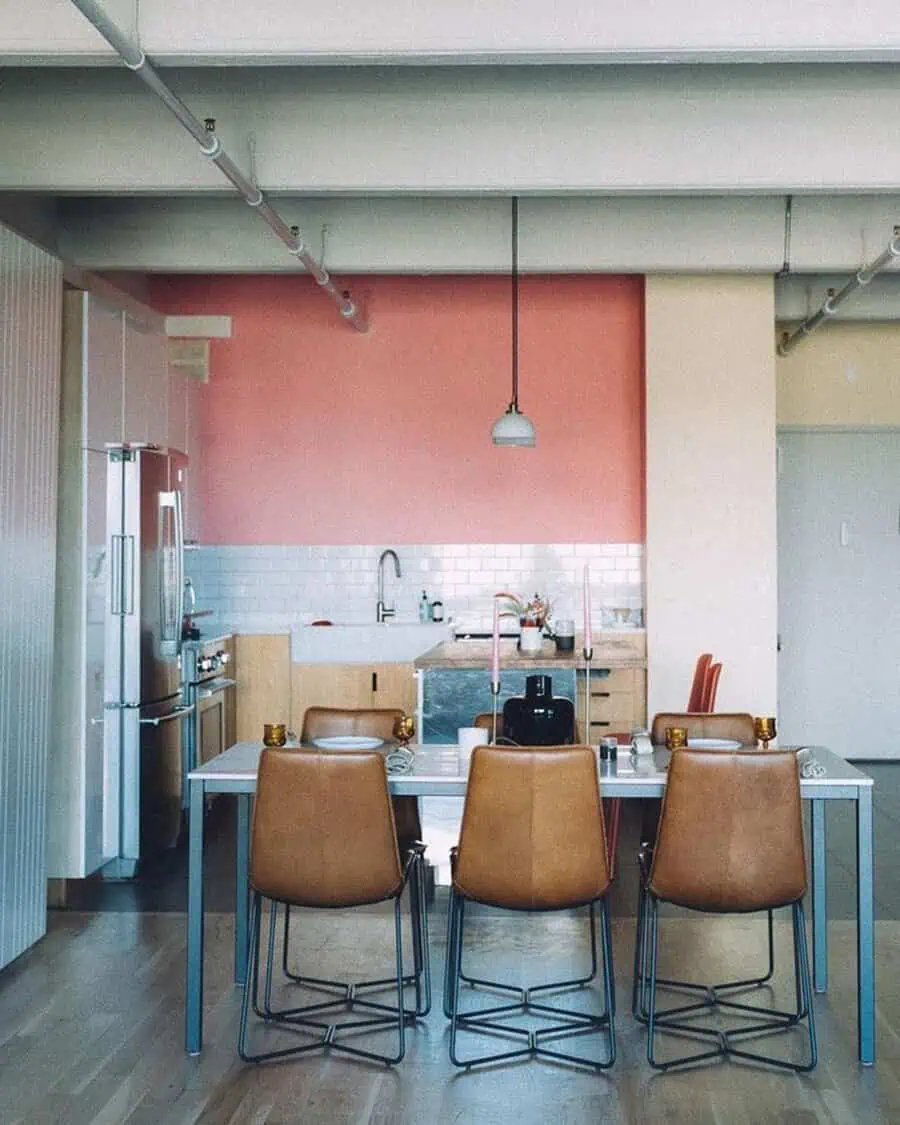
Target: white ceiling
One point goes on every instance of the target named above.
(663, 166)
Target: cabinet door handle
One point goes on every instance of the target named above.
(374, 681)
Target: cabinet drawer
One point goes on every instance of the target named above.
(607, 680)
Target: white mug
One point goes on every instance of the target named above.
(469, 738)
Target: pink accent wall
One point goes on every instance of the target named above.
(313, 433)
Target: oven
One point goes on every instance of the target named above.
(209, 684)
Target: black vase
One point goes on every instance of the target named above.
(537, 719)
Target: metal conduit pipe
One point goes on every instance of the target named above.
(829, 308)
(135, 59)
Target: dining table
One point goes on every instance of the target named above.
(437, 771)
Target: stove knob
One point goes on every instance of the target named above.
(224, 657)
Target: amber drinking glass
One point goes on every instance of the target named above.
(764, 729)
(274, 734)
(676, 738)
(404, 729)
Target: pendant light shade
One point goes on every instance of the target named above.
(514, 427)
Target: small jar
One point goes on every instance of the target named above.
(437, 611)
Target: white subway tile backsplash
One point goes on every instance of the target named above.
(291, 585)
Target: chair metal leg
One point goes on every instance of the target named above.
(653, 1018)
(774, 1021)
(303, 1020)
(710, 993)
(354, 993)
(550, 986)
(418, 912)
(803, 992)
(566, 1022)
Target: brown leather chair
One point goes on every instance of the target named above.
(532, 839)
(612, 806)
(308, 852)
(736, 726)
(730, 841)
(711, 687)
(332, 722)
(484, 720)
(698, 684)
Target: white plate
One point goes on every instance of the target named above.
(713, 744)
(348, 742)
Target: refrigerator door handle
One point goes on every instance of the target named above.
(121, 574)
(171, 573)
(179, 564)
(178, 713)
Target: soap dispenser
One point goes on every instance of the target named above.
(424, 608)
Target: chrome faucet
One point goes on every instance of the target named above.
(382, 612)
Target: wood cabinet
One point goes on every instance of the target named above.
(263, 674)
(351, 685)
(618, 700)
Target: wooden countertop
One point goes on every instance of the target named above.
(611, 650)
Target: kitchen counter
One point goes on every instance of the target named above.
(611, 650)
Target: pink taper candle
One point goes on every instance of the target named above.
(588, 639)
(495, 652)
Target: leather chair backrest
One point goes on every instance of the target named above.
(532, 835)
(736, 725)
(333, 722)
(698, 684)
(711, 687)
(731, 832)
(323, 829)
(484, 720)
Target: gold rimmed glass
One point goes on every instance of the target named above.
(404, 729)
(764, 729)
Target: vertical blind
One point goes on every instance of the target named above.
(30, 318)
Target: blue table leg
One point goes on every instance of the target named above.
(865, 923)
(193, 1001)
(241, 888)
(819, 897)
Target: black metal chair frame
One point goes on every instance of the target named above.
(302, 1019)
(567, 1022)
(501, 986)
(675, 1020)
(710, 993)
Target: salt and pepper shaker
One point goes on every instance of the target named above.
(609, 749)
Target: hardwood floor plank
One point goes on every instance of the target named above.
(92, 1029)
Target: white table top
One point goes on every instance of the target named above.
(436, 772)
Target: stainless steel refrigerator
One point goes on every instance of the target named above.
(143, 706)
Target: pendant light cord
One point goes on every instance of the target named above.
(515, 302)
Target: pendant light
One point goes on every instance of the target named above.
(513, 427)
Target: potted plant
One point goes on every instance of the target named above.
(532, 615)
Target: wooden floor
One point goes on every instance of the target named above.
(92, 1033)
(92, 1025)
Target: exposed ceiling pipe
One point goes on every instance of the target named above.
(204, 134)
(862, 277)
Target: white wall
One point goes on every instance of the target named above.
(711, 529)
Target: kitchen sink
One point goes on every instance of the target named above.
(362, 644)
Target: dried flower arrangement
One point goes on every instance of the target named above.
(533, 611)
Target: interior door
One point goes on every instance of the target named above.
(839, 591)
